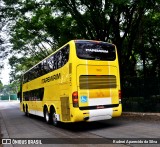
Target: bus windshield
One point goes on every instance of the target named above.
(95, 50)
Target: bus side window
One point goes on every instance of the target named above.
(49, 63)
(42, 69)
(56, 61)
(65, 55)
(53, 62)
(59, 59)
(39, 69)
(41, 92)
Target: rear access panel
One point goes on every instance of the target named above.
(97, 85)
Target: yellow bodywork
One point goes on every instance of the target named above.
(58, 93)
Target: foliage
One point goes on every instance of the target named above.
(141, 94)
(9, 89)
(39, 27)
(1, 86)
(5, 24)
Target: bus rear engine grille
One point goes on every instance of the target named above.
(97, 81)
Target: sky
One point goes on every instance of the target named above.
(4, 75)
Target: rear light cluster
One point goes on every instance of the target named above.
(75, 99)
(120, 94)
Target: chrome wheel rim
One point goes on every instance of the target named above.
(47, 116)
(54, 119)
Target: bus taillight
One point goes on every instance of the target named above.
(75, 99)
(119, 94)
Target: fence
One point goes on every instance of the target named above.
(141, 94)
(8, 97)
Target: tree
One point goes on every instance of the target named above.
(152, 43)
(1, 38)
(118, 21)
(40, 26)
(1, 87)
(5, 24)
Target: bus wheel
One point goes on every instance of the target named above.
(46, 115)
(26, 112)
(53, 118)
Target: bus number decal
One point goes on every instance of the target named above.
(51, 78)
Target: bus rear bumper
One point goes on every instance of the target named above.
(104, 114)
(100, 114)
(117, 111)
(96, 114)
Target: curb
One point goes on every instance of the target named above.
(141, 114)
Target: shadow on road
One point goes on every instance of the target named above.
(89, 126)
(83, 126)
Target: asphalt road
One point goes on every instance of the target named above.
(14, 124)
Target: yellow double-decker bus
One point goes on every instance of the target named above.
(78, 82)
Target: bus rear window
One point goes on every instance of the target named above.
(95, 50)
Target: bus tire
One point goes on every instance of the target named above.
(46, 115)
(26, 112)
(53, 117)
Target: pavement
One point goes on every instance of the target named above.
(141, 116)
(142, 113)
